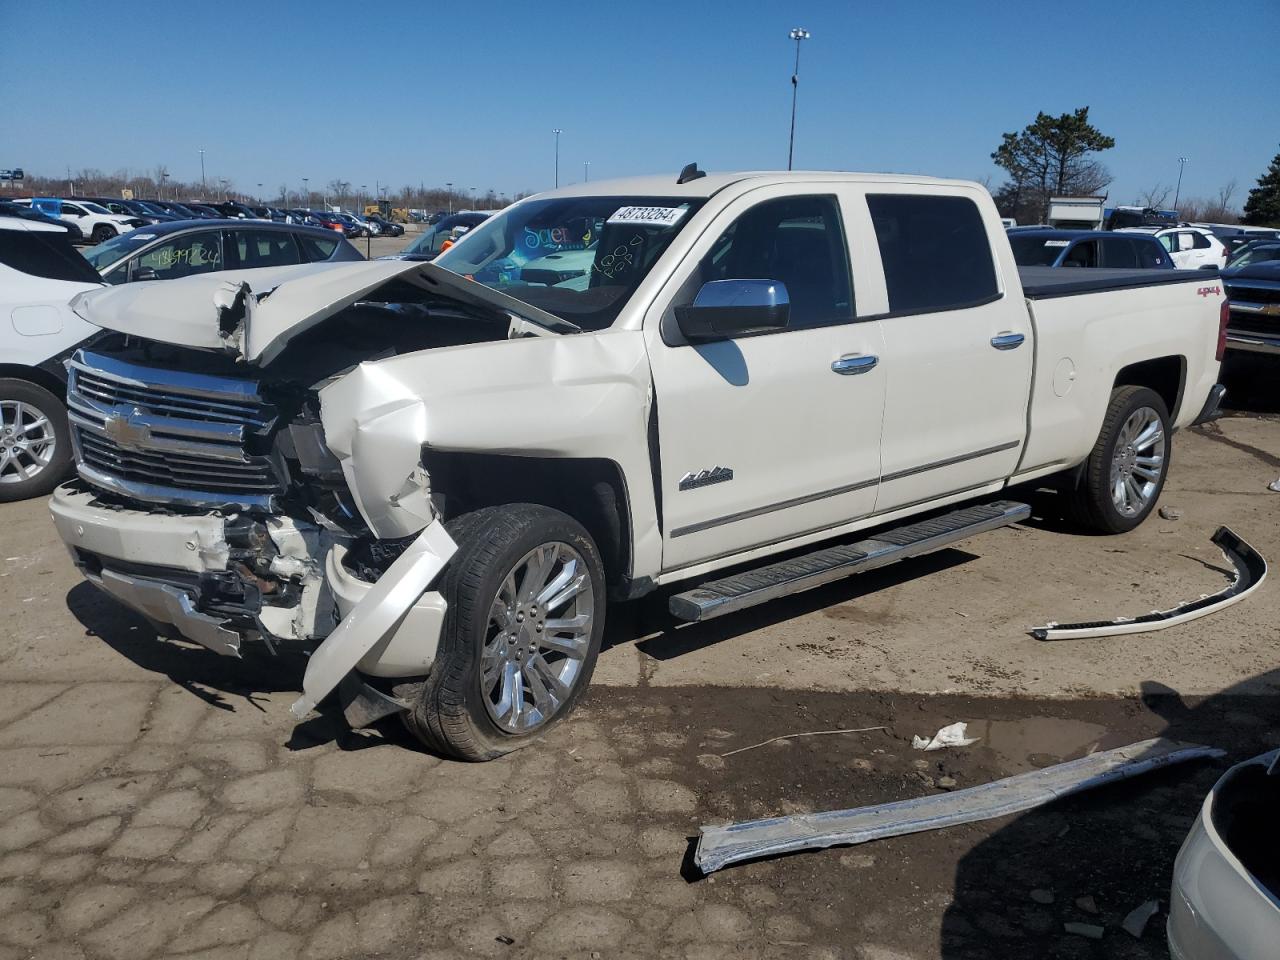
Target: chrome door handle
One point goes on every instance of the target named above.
(856, 363)
(1007, 341)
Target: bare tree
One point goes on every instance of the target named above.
(1155, 197)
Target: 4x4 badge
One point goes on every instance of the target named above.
(704, 478)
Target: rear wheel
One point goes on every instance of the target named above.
(1126, 470)
(526, 597)
(35, 441)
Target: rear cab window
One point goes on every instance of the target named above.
(935, 252)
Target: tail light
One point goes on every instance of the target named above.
(1224, 316)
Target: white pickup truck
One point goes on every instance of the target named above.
(434, 476)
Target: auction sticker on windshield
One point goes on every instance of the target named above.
(648, 216)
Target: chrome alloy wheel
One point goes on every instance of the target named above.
(537, 637)
(27, 441)
(1138, 462)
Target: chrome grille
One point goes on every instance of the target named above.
(167, 435)
(1255, 306)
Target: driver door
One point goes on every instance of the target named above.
(772, 435)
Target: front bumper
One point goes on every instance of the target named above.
(171, 568)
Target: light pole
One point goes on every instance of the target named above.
(306, 193)
(1182, 162)
(557, 132)
(798, 34)
(163, 178)
(360, 199)
(259, 193)
(473, 198)
(204, 187)
(586, 172)
(450, 188)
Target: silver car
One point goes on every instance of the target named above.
(1225, 902)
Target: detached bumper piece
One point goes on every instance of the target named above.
(720, 846)
(1251, 570)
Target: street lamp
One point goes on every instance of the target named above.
(360, 199)
(306, 192)
(163, 178)
(586, 172)
(798, 34)
(557, 132)
(259, 193)
(1182, 162)
(204, 187)
(450, 186)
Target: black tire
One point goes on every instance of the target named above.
(1091, 503)
(451, 715)
(101, 234)
(33, 397)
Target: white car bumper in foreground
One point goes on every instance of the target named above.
(1218, 909)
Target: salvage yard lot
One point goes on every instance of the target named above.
(156, 800)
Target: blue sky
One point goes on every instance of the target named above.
(403, 92)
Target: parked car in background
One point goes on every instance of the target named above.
(336, 221)
(1255, 251)
(1192, 248)
(9, 208)
(133, 208)
(169, 251)
(1254, 292)
(1043, 247)
(39, 274)
(441, 235)
(1225, 900)
(97, 223)
(1123, 216)
(179, 211)
(389, 227)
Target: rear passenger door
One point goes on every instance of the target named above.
(957, 352)
(248, 249)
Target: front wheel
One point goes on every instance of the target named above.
(526, 599)
(35, 441)
(101, 234)
(1126, 470)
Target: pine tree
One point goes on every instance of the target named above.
(1262, 209)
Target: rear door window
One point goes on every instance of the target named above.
(1151, 254)
(316, 249)
(935, 252)
(264, 248)
(45, 254)
(1118, 252)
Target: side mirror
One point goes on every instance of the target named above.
(724, 309)
(145, 273)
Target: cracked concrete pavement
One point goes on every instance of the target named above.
(156, 800)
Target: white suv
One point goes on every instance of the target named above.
(39, 273)
(1190, 248)
(95, 221)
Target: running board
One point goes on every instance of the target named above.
(786, 577)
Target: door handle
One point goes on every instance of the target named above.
(856, 363)
(1007, 341)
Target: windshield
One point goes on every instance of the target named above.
(1032, 251)
(105, 254)
(579, 258)
(93, 207)
(1255, 253)
(450, 228)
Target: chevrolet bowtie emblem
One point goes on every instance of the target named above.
(126, 430)
(704, 478)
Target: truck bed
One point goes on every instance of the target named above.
(1046, 283)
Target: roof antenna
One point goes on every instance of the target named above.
(690, 172)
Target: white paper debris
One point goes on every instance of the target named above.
(951, 735)
(1137, 919)
(1274, 486)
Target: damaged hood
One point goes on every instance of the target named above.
(253, 314)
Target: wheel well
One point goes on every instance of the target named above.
(35, 375)
(592, 491)
(1165, 375)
